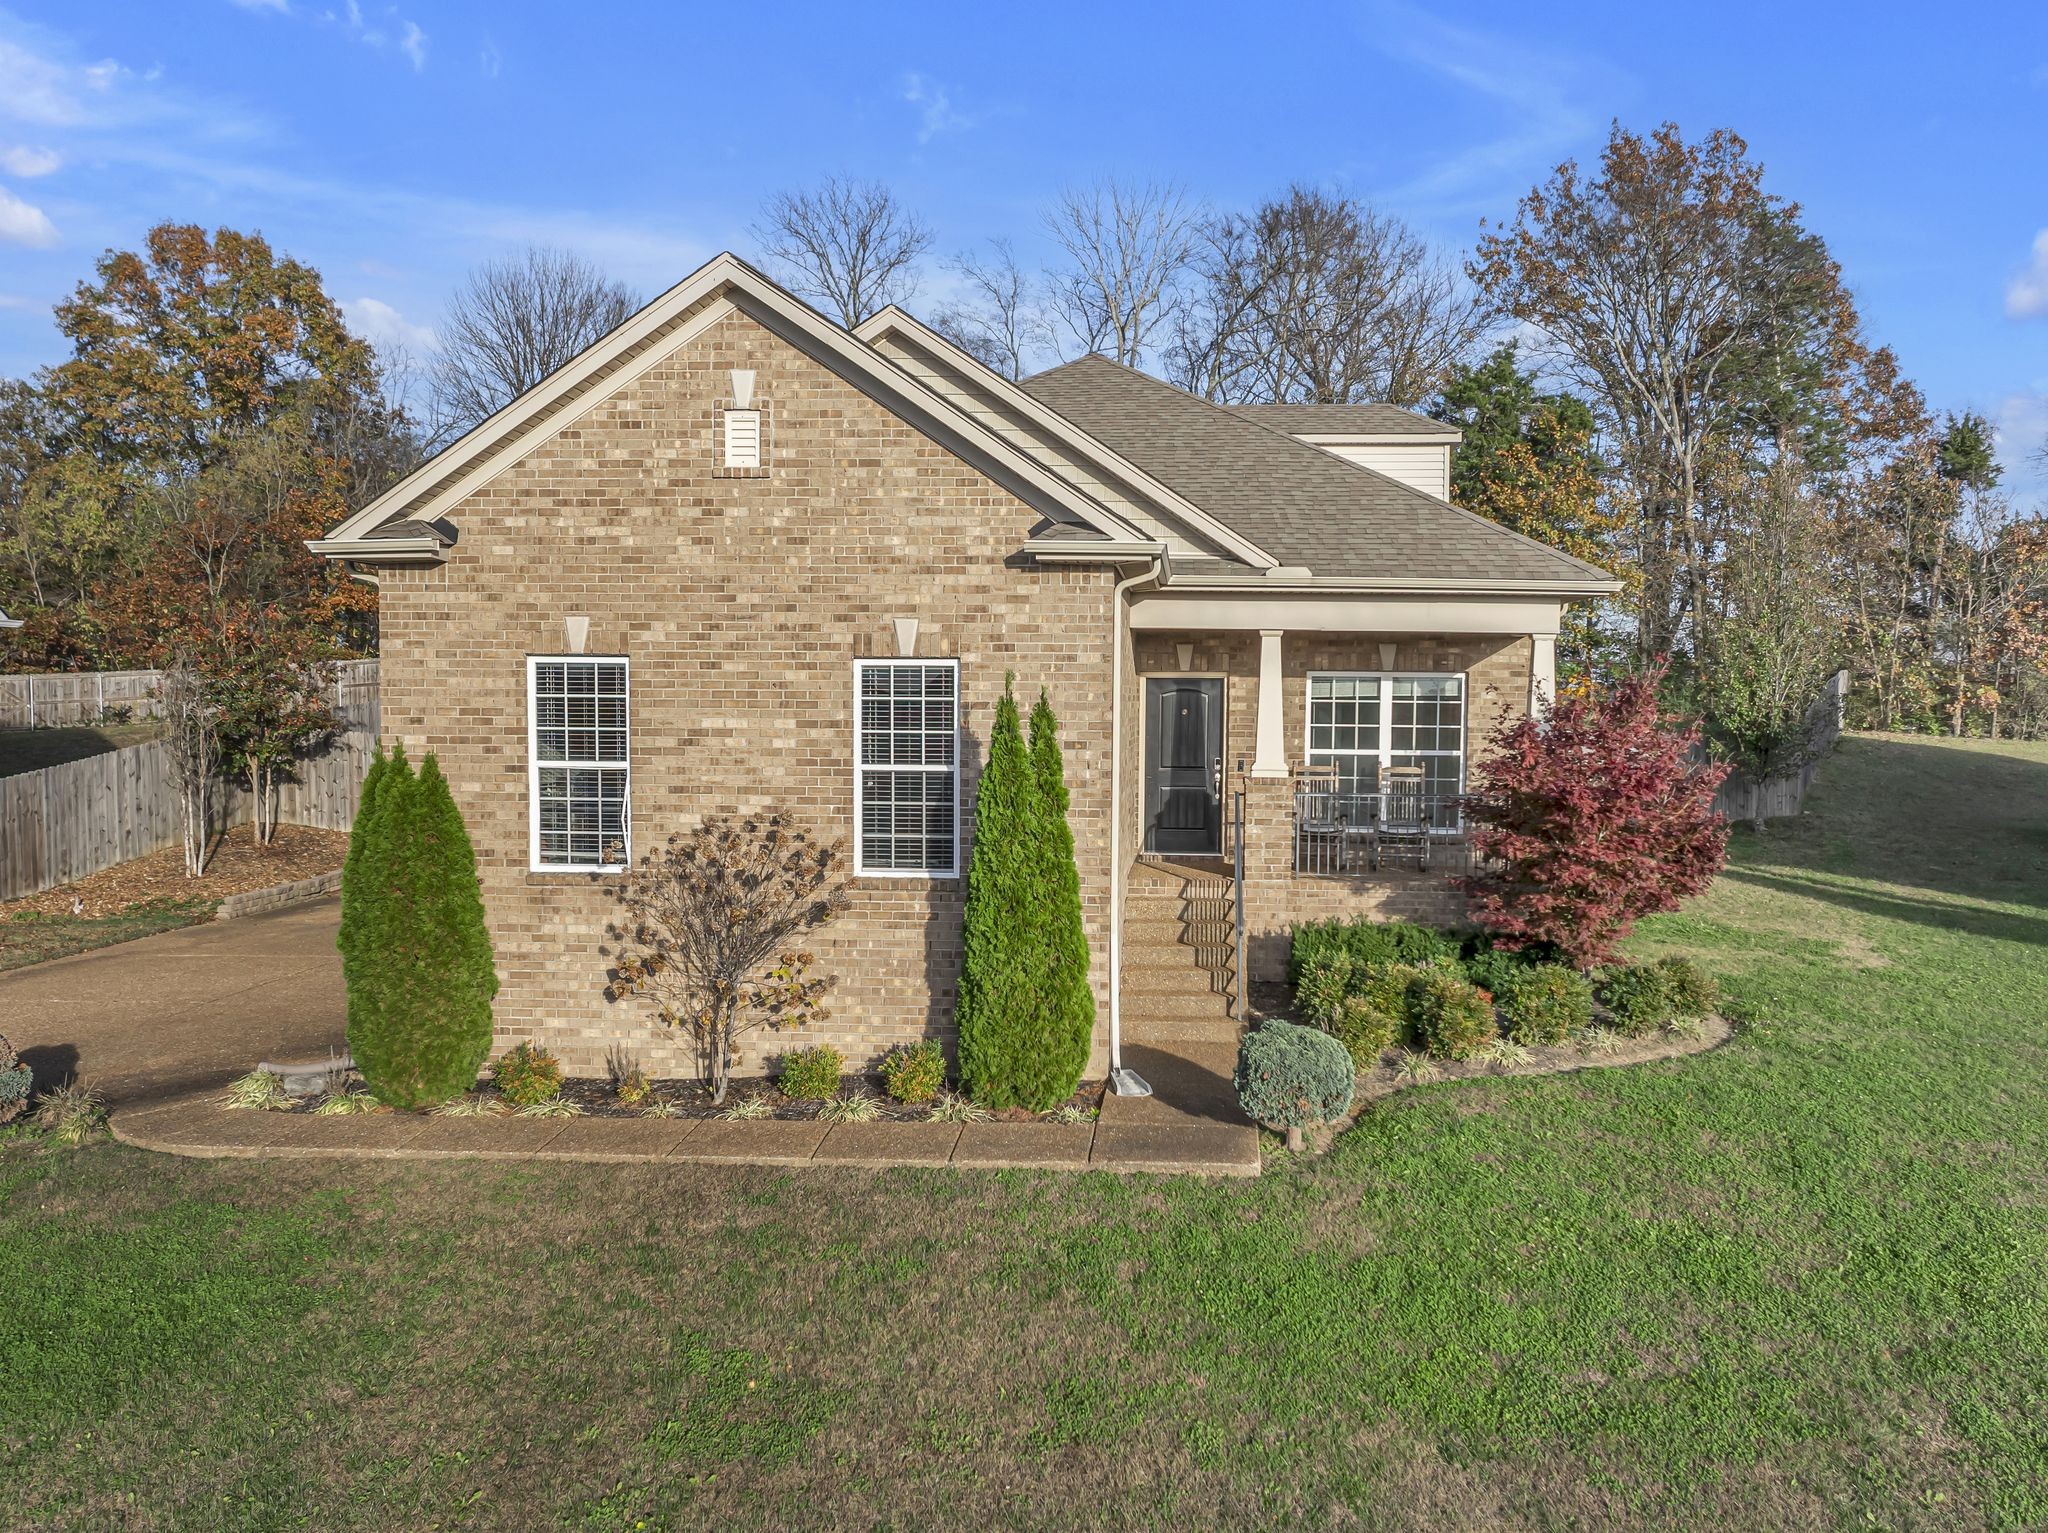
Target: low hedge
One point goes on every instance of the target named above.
(1546, 1003)
(1452, 1017)
(1693, 991)
(1639, 995)
(527, 1075)
(1366, 1030)
(915, 1072)
(1366, 943)
(811, 1075)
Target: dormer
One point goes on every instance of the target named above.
(1384, 438)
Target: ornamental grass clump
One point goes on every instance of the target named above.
(258, 1091)
(71, 1114)
(1452, 1017)
(527, 1075)
(1291, 1077)
(854, 1107)
(1545, 1005)
(811, 1075)
(915, 1073)
(15, 1080)
(1639, 997)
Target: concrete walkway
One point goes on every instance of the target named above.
(184, 1010)
(199, 1125)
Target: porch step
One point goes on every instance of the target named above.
(1187, 980)
(1177, 956)
(1141, 1032)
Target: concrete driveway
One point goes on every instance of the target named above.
(185, 1010)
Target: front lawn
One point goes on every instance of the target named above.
(33, 936)
(1797, 1281)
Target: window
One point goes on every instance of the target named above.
(577, 768)
(742, 438)
(906, 743)
(1363, 724)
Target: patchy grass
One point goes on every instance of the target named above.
(30, 936)
(1792, 1282)
(30, 750)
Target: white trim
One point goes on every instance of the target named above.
(860, 768)
(1034, 410)
(1492, 617)
(1384, 752)
(533, 862)
(1375, 438)
(1270, 757)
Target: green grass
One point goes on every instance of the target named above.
(30, 750)
(1794, 1282)
(31, 937)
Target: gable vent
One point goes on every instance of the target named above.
(742, 438)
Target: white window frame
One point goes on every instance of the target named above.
(861, 769)
(534, 764)
(1384, 754)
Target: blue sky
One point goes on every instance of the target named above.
(393, 145)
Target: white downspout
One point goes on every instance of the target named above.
(1125, 1083)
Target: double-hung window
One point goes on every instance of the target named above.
(578, 773)
(1363, 723)
(906, 774)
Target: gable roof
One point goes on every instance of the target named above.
(721, 286)
(1349, 420)
(1308, 507)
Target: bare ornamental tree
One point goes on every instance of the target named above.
(191, 737)
(708, 928)
(513, 323)
(849, 247)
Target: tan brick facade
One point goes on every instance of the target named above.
(742, 604)
(1276, 897)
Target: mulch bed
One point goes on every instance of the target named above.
(690, 1100)
(238, 865)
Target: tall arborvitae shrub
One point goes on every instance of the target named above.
(1001, 958)
(358, 837)
(1069, 1005)
(423, 978)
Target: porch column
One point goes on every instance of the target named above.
(1271, 757)
(1542, 671)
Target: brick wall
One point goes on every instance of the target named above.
(742, 603)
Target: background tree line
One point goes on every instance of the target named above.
(1655, 363)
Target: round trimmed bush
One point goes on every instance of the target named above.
(1366, 1031)
(1545, 1004)
(1694, 992)
(811, 1075)
(915, 1072)
(527, 1075)
(1290, 1077)
(15, 1080)
(1639, 995)
(1452, 1017)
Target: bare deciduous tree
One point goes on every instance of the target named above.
(1128, 248)
(1314, 299)
(515, 321)
(849, 247)
(706, 928)
(1000, 322)
(191, 737)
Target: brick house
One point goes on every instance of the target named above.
(736, 557)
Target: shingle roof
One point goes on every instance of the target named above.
(1301, 504)
(1346, 420)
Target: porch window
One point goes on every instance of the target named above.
(1362, 724)
(907, 768)
(578, 774)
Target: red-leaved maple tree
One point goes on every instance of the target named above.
(1591, 816)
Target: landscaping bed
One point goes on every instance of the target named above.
(238, 865)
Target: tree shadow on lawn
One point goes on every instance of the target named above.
(1946, 912)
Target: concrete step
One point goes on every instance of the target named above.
(1156, 932)
(1175, 982)
(1137, 1034)
(1176, 1010)
(1176, 955)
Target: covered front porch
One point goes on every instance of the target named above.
(1337, 756)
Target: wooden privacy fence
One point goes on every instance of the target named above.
(1783, 795)
(61, 823)
(85, 697)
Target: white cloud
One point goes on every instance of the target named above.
(384, 327)
(937, 114)
(39, 89)
(2026, 296)
(490, 61)
(28, 163)
(279, 6)
(23, 223)
(412, 42)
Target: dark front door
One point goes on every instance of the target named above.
(1184, 764)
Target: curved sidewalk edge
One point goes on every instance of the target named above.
(197, 1125)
